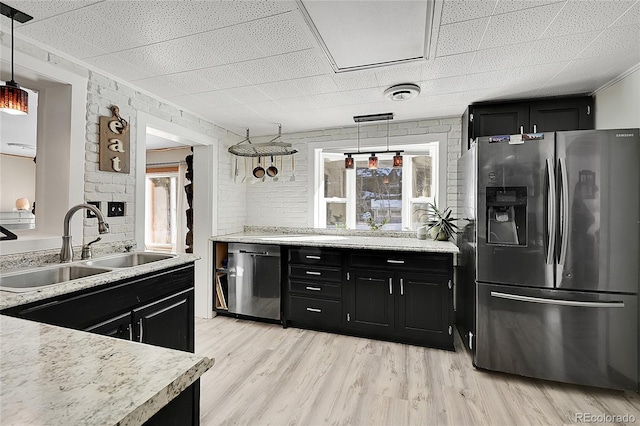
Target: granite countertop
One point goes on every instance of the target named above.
(8, 299)
(57, 376)
(341, 241)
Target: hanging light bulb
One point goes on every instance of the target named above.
(13, 99)
(373, 161)
(349, 162)
(397, 161)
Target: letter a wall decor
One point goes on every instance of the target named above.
(114, 143)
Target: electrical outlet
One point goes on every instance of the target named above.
(115, 208)
(91, 214)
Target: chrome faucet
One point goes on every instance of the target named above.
(66, 253)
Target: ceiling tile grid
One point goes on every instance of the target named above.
(276, 34)
(315, 85)
(616, 40)
(506, 6)
(398, 74)
(558, 49)
(464, 10)
(115, 65)
(581, 16)
(461, 37)
(360, 79)
(280, 89)
(630, 17)
(500, 57)
(221, 77)
(58, 38)
(447, 66)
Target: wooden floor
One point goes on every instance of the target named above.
(267, 375)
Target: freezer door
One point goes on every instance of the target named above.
(598, 181)
(515, 215)
(574, 337)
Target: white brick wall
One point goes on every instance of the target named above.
(285, 203)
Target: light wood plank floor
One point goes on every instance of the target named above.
(267, 375)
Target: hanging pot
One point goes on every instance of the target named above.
(272, 171)
(258, 172)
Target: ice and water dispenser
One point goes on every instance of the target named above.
(507, 215)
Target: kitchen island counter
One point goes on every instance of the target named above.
(58, 376)
(341, 242)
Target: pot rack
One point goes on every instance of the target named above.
(246, 148)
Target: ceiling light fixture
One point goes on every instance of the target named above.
(13, 99)
(373, 159)
(402, 92)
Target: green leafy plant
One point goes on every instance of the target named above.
(376, 226)
(440, 223)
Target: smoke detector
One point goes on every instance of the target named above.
(402, 92)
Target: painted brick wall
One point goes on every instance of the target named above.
(285, 203)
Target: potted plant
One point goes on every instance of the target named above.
(441, 226)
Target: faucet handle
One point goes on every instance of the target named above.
(86, 249)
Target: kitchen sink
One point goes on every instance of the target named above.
(127, 260)
(45, 276)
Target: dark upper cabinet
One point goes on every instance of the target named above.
(544, 115)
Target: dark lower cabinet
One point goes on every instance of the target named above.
(119, 327)
(370, 301)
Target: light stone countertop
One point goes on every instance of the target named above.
(57, 376)
(341, 241)
(8, 299)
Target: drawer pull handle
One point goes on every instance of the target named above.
(390, 285)
(313, 273)
(401, 286)
(395, 261)
(314, 310)
(313, 257)
(314, 288)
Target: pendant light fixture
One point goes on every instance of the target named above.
(373, 158)
(13, 99)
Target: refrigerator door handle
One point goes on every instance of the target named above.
(564, 231)
(561, 302)
(551, 212)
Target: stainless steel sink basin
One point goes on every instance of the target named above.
(127, 260)
(38, 278)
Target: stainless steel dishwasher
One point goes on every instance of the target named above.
(254, 280)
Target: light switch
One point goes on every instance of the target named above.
(115, 208)
(91, 214)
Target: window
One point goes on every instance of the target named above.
(398, 197)
(161, 206)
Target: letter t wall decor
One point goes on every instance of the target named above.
(114, 143)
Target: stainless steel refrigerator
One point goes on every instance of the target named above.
(549, 269)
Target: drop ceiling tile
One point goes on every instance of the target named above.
(470, 96)
(280, 89)
(171, 57)
(631, 17)
(616, 40)
(278, 34)
(293, 105)
(247, 94)
(461, 37)
(328, 100)
(586, 74)
(447, 66)
(162, 86)
(430, 100)
(532, 75)
(217, 98)
(485, 80)
(500, 58)
(229, 44)
(506, 6)
(583, 16)
(222, 77)
(315, 85)
(41, 10)
(464, 10)
(241, 111)
(117, 66)
(398, 74)
(516, 92)
(258, 71)
(526, 25)
(268, 108)
(193, 102)
(48, 33)
(360, 79)
(441, 85)
(305, 63)
(559, 48)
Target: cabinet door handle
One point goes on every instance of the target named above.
(390, 285)
(395, 261)
(401, 286)
(535, 129)
(314, 310)
(141, 329)
(521, 130)
(314, 288)
(313, 257)
(130, 332)
(313, 273)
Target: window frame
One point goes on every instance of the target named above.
(410, 144)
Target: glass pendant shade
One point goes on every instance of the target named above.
(397, 160)
(13, 99)
(349, 162)
(373, 162)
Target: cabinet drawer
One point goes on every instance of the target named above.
(314, 311)
(315, 273)
(315, 256)
(433, 262)
(315, 289)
